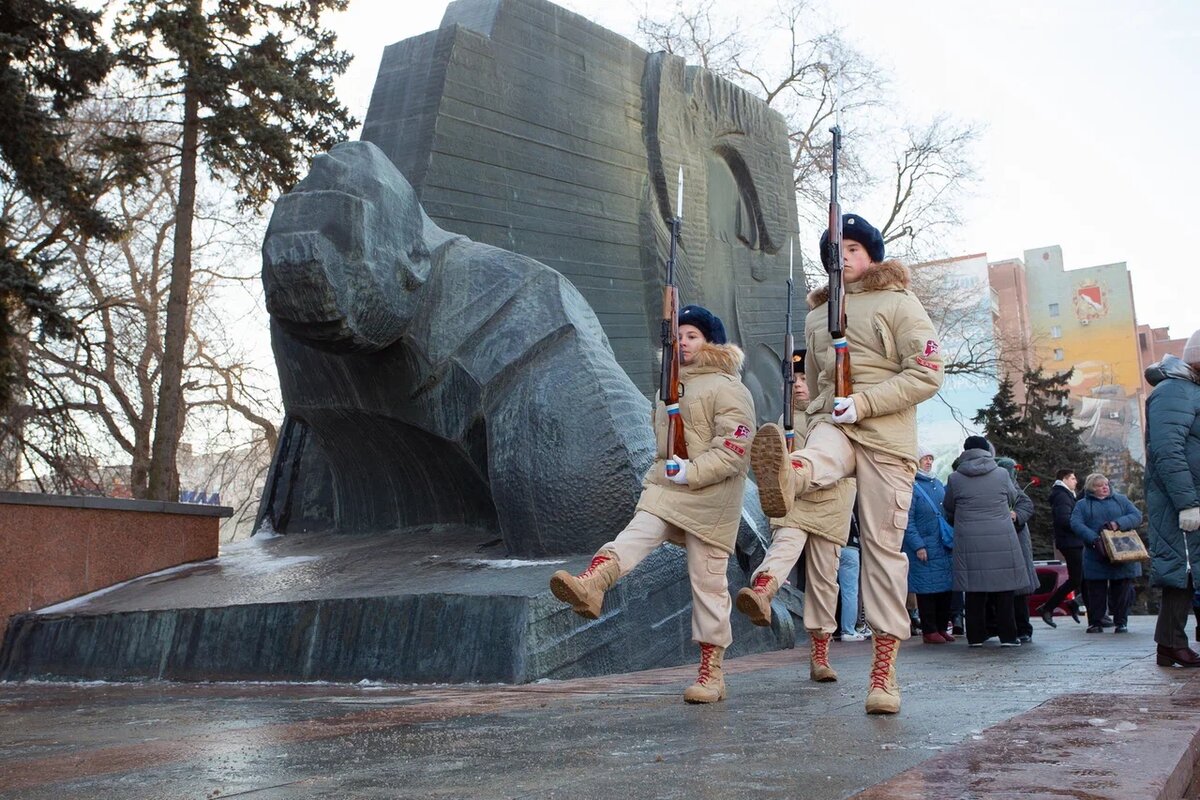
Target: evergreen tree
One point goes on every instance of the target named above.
(51, 57)
(1002, 419)
(1040, 435)
(249, 85)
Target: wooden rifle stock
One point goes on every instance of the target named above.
(842, 386)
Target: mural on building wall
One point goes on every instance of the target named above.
(1105, 386)
(1090, 301)
(1083, 322)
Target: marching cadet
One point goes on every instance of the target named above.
(699, 507)
(818, 525)
(872, 434)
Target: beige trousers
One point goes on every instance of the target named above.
(706, 564)
(885, 487)
(820, 573)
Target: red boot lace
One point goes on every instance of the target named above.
(596, 562)
(885, 649)
(820, 651)
(706, 653)
(760, 582)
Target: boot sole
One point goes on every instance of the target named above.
(824, 679)
(696, 701)
(768, 456)
(1167, 661)
(746, 604)
(561, 588)
(884, 710)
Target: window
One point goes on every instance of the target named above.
(1058, 354)
(1056, 332)
(1054, 309)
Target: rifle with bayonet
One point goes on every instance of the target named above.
(669, 380)
(837, 289)
(789, 365)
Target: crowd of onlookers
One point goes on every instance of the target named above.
(971, 568)
(970, 558)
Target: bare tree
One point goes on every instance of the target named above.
(808, 75)
(93, 399)
(929, 176)
(811, 74)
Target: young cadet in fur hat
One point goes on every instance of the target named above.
(818, 525)
(872, 434)
(699, 508)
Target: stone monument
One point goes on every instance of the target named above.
(465, 310)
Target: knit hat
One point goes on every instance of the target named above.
(978, 443)
(856, 229)
(798, 358)
(923, 451)
(707, 322)
(1191, 350)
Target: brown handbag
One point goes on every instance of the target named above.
(1123, 546)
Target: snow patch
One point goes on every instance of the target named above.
(75, 602)
(505, 563)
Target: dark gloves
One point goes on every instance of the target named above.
(1112, 526)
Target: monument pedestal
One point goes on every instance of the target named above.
(436, 604)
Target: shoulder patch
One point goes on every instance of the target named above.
(927, 364)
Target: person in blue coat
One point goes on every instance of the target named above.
(928, 545)
(1173, 494)
(1099, 509)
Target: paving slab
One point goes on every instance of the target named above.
(1066, 717)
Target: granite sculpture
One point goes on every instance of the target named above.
(523, 126)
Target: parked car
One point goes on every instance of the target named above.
(1051, 575)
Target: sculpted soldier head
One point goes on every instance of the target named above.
(347, 286)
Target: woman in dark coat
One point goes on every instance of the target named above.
(1101, 508)
(1172, 496)
(988, 563)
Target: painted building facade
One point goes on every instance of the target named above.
(1083, 321)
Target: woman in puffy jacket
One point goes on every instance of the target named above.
(1101, 508)
(1173, 495)
(930, 555)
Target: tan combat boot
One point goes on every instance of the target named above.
(710, 684)
(818, 661)
(585, 591)
(755, 600)
(883, 693)
(773, 471)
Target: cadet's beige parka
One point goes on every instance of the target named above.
(895, 359)
(718, 422)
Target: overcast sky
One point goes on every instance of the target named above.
(1089, 111)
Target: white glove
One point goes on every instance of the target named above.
(681, 476)
(844, 411)
(1189, 519)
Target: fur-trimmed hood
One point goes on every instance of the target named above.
(727, 358)
(890, 274)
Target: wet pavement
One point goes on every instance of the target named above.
(1073, 715)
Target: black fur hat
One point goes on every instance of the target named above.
(858, 230)
(708, 323)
